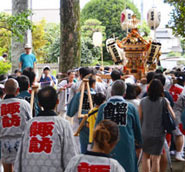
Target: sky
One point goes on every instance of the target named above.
(165, 9)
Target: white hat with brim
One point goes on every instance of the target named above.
(27, 46)
(46, 68)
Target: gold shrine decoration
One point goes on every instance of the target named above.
(134, 42)
(135, 48)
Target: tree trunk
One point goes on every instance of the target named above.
(17, 47)
(70, 44)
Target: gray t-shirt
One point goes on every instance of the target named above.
(152, 117)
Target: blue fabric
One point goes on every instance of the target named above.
(72, 109)
(45, 81)
(130, 136)
(183, 118)
(27, 60)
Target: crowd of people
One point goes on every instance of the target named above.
(62, 132)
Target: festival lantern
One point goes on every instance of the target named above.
(153, 55)
(126, 18)
(118, 55)
(97, 41)
(153, 18)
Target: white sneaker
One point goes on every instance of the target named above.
(179, 157)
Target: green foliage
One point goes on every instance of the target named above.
(17, 24)
(52, 31)
(177, 22)
(54, 52)
(38, 39)
(46, 41)
(144, 29)
(52, 47)
(89, 53)
(109, 13)
(90, 26)
(183, 46)
(4, 67)
(5, 41)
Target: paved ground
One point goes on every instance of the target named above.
(176, 167)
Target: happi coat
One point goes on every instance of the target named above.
(126, 116)
(47, 144)
(93, 161)
(14, 115)
(72, 111)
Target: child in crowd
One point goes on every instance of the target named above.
(106, 136)
(99, 98)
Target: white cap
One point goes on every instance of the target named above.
(46, 67)
(27, 46)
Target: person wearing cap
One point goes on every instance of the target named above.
(27, 59)
(46, 78)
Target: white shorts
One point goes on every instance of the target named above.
(177, 132)
(9, 149)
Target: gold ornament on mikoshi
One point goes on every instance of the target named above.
(135, 48)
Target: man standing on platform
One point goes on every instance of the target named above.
(27, 59)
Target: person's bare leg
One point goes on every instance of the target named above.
(155, 163)
(163, 162)
(8, 167)
(145, 162)
(179, 142)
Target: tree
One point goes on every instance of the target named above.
(52, 47)
(39, 40)
(13, 26)
(70, 46)
(89, 53)
(177, 22)
(46, 41)
(90, 26)
(4, 67)
(5, 41)
(17, 48)
(144, 29)
(108, 12)
(17, 24)
(54, 51)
